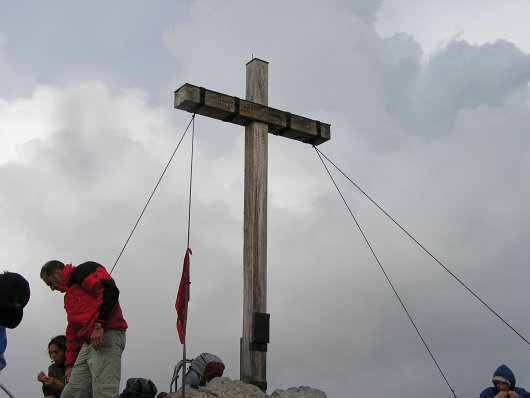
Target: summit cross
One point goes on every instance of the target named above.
(259, 120)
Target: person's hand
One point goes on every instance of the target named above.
(513, 394)
(46, 380)
(67, 373)
(41, 376)
(96, 338)
(501, 394)
(54, 383)
(58, 385)
(50, 381)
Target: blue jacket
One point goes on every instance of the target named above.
(504, 371)
(3, 345)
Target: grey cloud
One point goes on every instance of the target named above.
(63, 42)
(465, 76)
(449, 164)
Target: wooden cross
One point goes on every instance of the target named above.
(259, 120)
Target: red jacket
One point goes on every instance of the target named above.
(91, 296)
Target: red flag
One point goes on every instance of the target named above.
(183, 296)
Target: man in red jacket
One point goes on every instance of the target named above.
(95, 334)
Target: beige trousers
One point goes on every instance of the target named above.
(97, 373)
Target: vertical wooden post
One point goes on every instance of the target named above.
(253, 362)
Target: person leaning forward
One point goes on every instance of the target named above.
(95, 332)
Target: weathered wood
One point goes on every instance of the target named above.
(219, 106)
(253, 367)
(259, 120)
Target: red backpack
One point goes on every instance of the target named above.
(202, 369)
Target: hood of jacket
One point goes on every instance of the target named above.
(506, 372)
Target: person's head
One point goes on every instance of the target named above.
(51, 273)
(503, 378)
(501, 385)
(14, 295)
(57, 349)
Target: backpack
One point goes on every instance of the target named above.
(138, 387)
(202, 369)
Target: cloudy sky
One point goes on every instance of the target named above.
(429, 105)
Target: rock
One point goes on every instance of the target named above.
(223, 387)
(299, 392)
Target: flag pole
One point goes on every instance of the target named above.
(181, 306)
(187, 282)
(187, 259)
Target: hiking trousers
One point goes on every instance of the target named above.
(97, 373)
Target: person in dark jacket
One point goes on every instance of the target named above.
(504, 385)
(14, 295)
(53, 383)
(95, 332)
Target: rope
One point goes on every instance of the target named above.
(385, 274)
(425, 250)
(191, 177)
(152, 193)
(6, 391)
(188, 281)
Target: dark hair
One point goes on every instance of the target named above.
(48, 268)
(59, 341)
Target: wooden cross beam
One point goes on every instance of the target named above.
(259, 120)
(234, 110)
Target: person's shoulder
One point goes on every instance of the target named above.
(81, 271)
(487, 393)
(522, 392)
(89, 265)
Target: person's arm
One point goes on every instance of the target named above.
(95, 280)
(67, 373)
(72, 349)
(487, 393)
(51, 385)
(3, 346)
(503, 394)
(521, 392)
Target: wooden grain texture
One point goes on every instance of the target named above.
(259, 120)
(253, 367)
(242, 112)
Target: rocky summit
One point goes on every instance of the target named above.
(223, 387)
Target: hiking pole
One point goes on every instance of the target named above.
(6, 391)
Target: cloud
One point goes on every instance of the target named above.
(441, 144)
(465, 76)
(11, 82)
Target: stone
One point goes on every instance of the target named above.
(299, 392)
(223, 387)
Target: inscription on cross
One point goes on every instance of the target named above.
(232, 109)
(259, 120)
